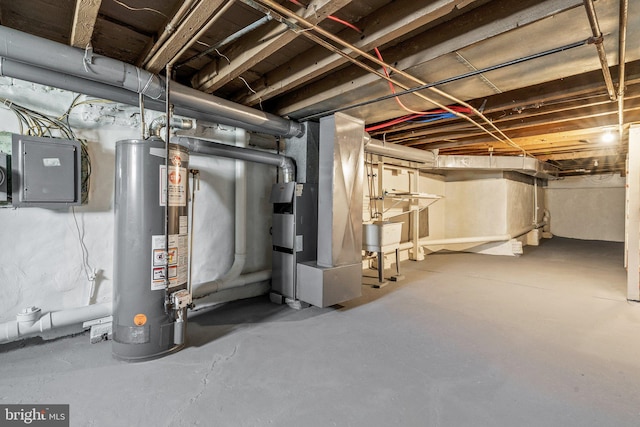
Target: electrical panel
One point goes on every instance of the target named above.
(46, 172)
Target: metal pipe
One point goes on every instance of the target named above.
(233, 37)
(53, 56)
(202, 30)
(598, 41)
(195, 145)
(168, 30)
(450, 79)
(160, 122)
(307, 31)
(622, 53)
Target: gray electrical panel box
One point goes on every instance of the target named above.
(46, 172)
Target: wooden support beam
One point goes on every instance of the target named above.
(257, 46)
(473, 27)
(383, 26)
(84, 20)
(601, 152)
(190, 25)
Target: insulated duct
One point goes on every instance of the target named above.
(210, 148)
(426, 158)
(523, 165)
(87, 66)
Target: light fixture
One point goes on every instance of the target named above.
(608, 137)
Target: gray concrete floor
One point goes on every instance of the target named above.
(545, 339)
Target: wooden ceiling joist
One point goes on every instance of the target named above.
(199, 15)
(473, 27)
(381, 27)
(84, 21)
(257, 46)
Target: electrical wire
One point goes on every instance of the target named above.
(34, 123)
(273, 8)
(379, 55)
(139, 9)
(83, 248)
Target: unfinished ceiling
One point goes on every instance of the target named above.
(527, 77)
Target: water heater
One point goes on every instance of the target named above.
(150, 271)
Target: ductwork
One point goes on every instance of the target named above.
(425, 158)
(87, 66)
(524, 165)
(210, 148)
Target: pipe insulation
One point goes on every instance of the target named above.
(31, 322)
(197, 146)
(88, 66)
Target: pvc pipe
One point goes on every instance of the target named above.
(477, 239)
(19, 70)
(195, 145)
(84, 64)
(209, 288)
(240, 255)
(204, 305)
(29, 325)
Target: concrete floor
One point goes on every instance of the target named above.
(546, 339)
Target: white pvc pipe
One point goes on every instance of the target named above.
(240, 256)
(251, 285)
(17, 329)
(477, 239)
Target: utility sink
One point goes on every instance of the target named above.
(381, 236)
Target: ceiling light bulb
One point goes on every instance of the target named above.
(608, 137)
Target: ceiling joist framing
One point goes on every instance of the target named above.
(84, 21)
(197, 18)
(257, 46)
(383, 26)
(473, 27)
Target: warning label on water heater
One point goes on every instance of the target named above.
(174, 261)
(177, 186)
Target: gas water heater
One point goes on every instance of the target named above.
(150, 295)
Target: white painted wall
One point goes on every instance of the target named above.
(475, 208)
(587, 207)
(42, 261)
(475, 204)
(520, 205)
